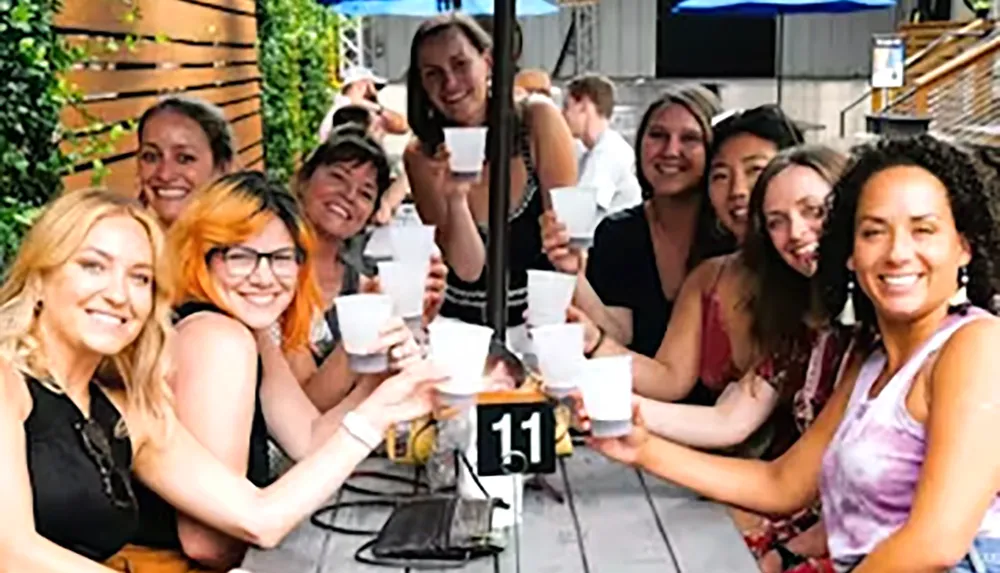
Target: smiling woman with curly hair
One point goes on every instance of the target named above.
(903, 455)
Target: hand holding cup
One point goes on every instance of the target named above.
(556, 244)
(626, 449)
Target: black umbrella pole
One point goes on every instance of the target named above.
(500, 121)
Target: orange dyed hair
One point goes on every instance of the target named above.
(228, 212)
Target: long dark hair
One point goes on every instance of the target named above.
(782, 297)
(426, 121)
(971, 196)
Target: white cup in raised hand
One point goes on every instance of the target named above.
(361, 318)
(460, 350)
(559, 351)
(549, 295)
(467, 146)
(405, 282)
(606, 385)
(576, 207)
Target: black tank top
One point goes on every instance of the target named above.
(158, 519)
(71, 499)
(466, 301)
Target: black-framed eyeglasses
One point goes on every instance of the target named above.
(117, 484)
(241, 262)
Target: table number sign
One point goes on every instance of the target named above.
(516, 433)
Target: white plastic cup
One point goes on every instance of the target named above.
(559, 350)
(606, 385)
(412, 243)
(361, 317)
(405, 282)
(460, 350)
(467, 146)
(576, 207)
(549, 295)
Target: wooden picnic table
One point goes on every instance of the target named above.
(614, 519)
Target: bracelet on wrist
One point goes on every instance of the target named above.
(600, 340)
(362, 430)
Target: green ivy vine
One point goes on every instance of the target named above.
(298, 51)
(34, 59)
(31, 98)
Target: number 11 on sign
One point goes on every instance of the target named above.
(532, 425)
(516, 437)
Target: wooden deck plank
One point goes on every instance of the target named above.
(619, 527)
(620, 530)
(700, 533)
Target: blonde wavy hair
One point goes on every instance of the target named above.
(141, 368)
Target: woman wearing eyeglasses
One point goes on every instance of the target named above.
(91, 286)
(242, 249)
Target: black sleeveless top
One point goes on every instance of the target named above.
(466, 301)
(158, 519)
(72, 500)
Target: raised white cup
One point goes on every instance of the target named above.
(576, 207)
(361, 318)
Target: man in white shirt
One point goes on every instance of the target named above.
(608, 161)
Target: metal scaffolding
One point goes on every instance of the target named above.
(581, 40)
(351, 51)
(586, 32)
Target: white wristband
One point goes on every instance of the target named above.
(362, 430)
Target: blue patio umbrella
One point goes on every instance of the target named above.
(427, 8)
(778, 8)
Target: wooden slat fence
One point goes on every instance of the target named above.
(138, 51)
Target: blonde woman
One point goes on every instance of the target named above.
(88, 288)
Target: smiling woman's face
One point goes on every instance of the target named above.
(673, 151)
(256, 279)
(907, 251)
(794, 211)
(98, 301)
(455, 76)
(734, 170)
(175, 159)
(339, 198)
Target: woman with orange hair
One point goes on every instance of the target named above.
(91, 287)
(244, 260)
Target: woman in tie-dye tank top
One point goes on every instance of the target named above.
(903, 455)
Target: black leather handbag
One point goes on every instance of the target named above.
(434, 532)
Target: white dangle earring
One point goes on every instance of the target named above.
(846, 316)
(961, 296)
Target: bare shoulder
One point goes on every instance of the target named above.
(541, 114)
(971, 345)
(217, 331)
(705, 273)
(13, 391)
